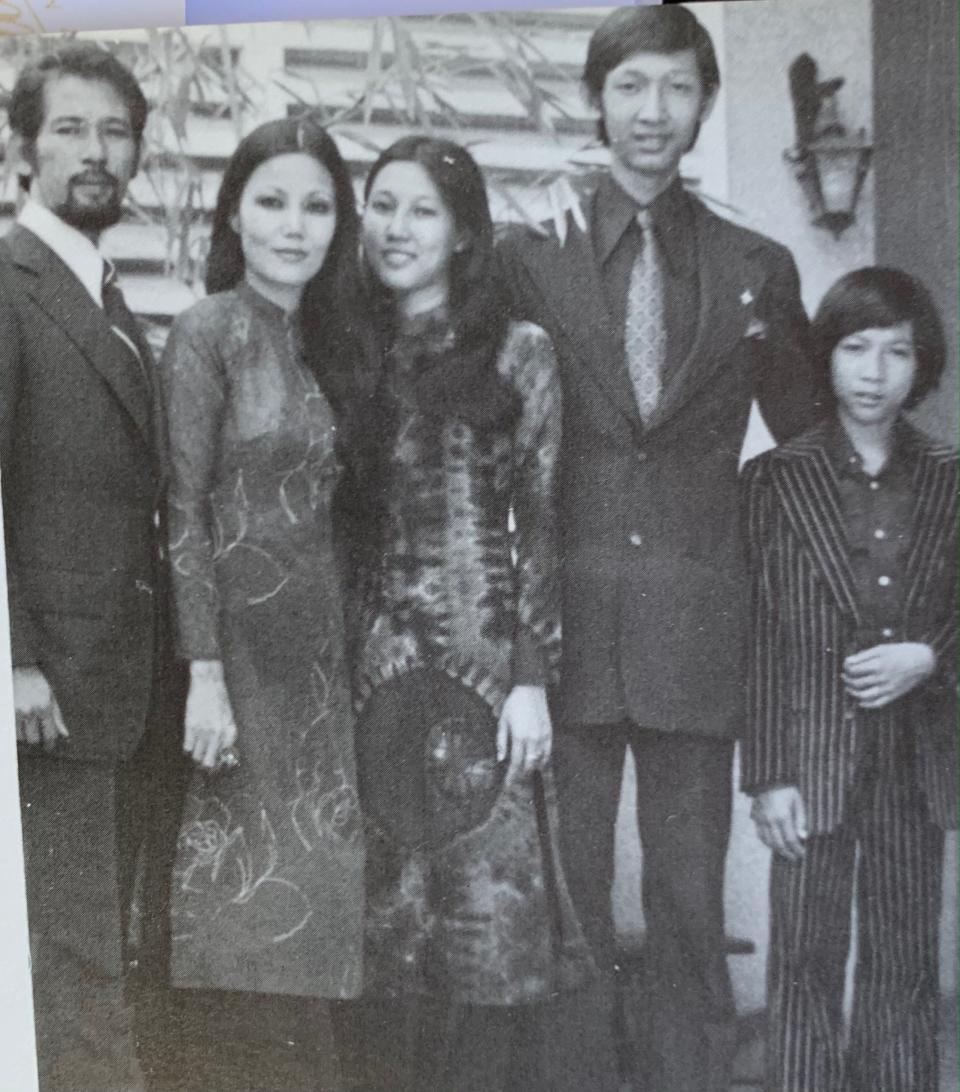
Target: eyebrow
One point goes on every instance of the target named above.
(74, 118)
(276, 188)
(418, 197)
(909, 338)
(646, 75)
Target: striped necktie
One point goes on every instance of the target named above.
(645, 335)
(121, 320)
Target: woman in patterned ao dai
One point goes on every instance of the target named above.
(468, 923)
(268, 884)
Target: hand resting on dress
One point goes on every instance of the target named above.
(209, 728)
(524, 731)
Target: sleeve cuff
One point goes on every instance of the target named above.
(765, 786)
(529, 666)
(198, 647)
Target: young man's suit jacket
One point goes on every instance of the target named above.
(653, 576)
(82, 464)
(803, 729)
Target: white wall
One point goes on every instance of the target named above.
(761, 42)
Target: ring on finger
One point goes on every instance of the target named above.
(228, 758)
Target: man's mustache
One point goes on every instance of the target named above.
(98, 178)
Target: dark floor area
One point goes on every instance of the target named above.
(243, 1045)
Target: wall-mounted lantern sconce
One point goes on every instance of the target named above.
(830, 164)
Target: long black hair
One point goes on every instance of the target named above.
(462, 380)
(328, 305)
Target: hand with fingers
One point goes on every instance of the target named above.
(878, 676)
(209, 732)
(781, 820)
(524, 732)
(39, 720)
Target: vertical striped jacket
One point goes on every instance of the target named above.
(802, 728)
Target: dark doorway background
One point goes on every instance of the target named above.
(915, 127)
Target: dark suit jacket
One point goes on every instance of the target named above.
(803, 729)
(81, 451)
(653, 578)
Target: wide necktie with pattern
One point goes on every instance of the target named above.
(645, 335)
(122, 322)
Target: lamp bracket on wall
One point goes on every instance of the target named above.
(830, 164)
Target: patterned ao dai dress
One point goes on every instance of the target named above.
(268, 885)
(465, 896)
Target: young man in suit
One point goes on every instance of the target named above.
(667, 321)
(96, 692)
(851, 749)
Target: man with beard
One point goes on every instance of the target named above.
(97, 696)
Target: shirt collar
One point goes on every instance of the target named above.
(847, 463)
(72, 247)
(615, 210)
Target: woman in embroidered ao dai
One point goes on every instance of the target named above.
(269, 877)
(468, 922)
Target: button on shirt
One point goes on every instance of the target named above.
(877, 514)
(617, 239)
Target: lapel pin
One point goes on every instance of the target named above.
(746, 297)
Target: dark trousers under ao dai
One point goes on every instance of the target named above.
(431, 1044)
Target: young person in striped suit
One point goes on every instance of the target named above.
(850, 752)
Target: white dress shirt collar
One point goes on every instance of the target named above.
(72, 247)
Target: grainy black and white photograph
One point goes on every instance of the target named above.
(479, 496)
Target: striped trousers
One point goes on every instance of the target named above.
(892, 1040)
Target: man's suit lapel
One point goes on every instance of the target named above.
(568, 280)
(729, 282)
(808, 489)
(61, 296)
